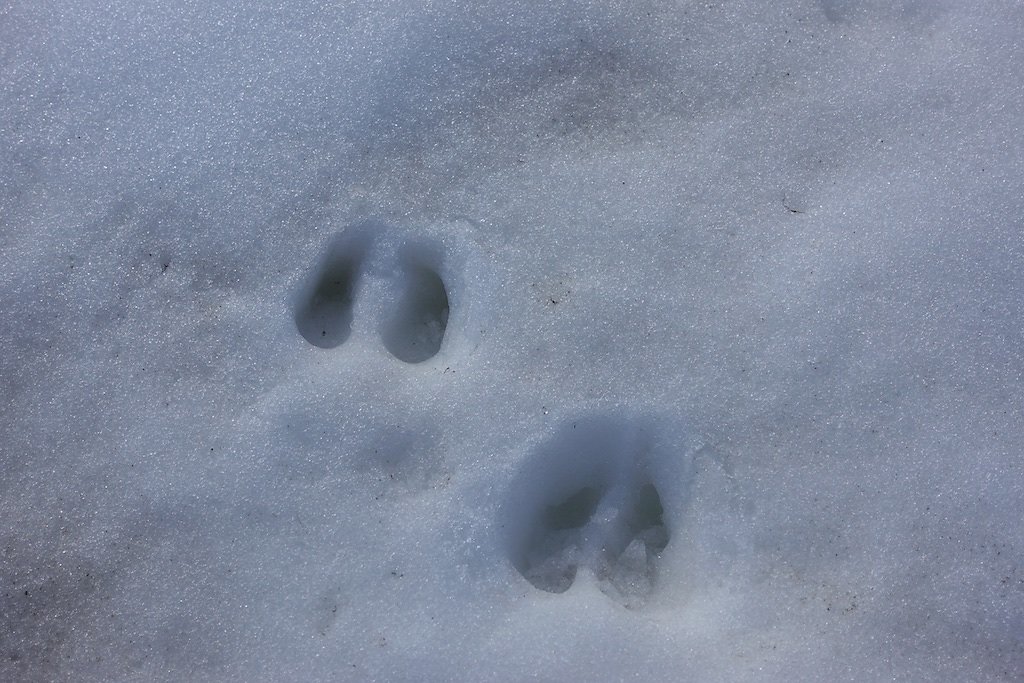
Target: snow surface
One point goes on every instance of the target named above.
(658, 341)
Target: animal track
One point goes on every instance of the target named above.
(591, 509)
(409, 291)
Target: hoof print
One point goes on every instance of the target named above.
(587, 506)
(419, 296)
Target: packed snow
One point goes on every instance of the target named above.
(498, 341)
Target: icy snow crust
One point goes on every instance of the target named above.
(502, 341)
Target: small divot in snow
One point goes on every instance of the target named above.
(417, 327)
(324, 315)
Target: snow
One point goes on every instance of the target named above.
(501, 341)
